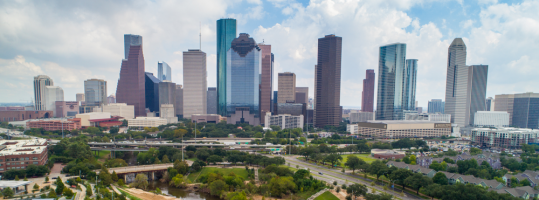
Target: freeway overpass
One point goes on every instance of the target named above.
(154, 144)
(129, 173)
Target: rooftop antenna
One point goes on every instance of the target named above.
(200, 35)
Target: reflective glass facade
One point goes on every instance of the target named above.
(391, 77)
(226, 32)
(526, 110)
(408, 95)
(244, 62)
(131, 84)
(95, 92)
(164, 72)
(152, 92)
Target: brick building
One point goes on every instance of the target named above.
(21, 115)
(54, 125)
(18, 154)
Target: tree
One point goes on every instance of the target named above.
(59, 186)
(121, 182)
(356, 189)
(105, 177)
(114, 176)
(52, 194)
(141, 181)
(417, 181)
(89, 190)
(353, 162)
(474, 151)
(165, 159)
(378, 168)
(114, 130)
(440, 178)
(178, 181)
(17, 177)
(400, 175)
(433, 190)
(68, 192)
(8, 192)
(36, 187)
(333, 158)
(214, 159)
(46, 179)
(217, 186)
(412, 159)
(280, 186)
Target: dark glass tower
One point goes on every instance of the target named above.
(226, 32)
(408, 95)
(328, 110)
(391, 82)
(367, 96)
(266, 81)
(152, 92)
(477, 89)
(131, 85)
(244, 60)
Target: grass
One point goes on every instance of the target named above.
(306, 194)
(326, 196)
(101, 154)
(366, 157)
(225, 171)
(128, 195)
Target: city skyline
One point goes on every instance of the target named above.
(51, 62)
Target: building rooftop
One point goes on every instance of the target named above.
(19, 147)
(13, 184)
(404, 121)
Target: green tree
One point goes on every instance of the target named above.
(36, 187)
(7, 192)
(105, 177)
(165, 159)
(59, 186)
(89, 190)
(46, 179)
(400, 175)
(378, 168)
(178, 181)
(433, 190)
(353, 162)
(356, 189)
(280, 186)
(68, 192)
(217, 186)
(114, 176)
(412, 160)
(141, 181)
(440, 179)
(121, 182)
(214, 159)
(474, 151)
(17, 178)
(417, 181)
(52, 194)
(333, 159)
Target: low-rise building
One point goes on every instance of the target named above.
(243, 115)
(166, 111)
(285, 121)
(208, 118)
(512, 138)
(21, 115)
(433, 117)
(491, 119)
(120, 109)
(86, 117)
(352, 128)
(146, 122)
(361, 116)
(403, 128)
(106, 122)
(55, 125)
(18, 154)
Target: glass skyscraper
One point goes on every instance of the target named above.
(152, 92)
(131, 84)
(95, 92)
(391, 82)
(436, 106)
(226, 32)
(244, 61)
(408, 95)
(164, 72)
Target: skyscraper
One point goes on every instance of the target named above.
(526, 110)
(392, 82)
(328, 110)
(111, 99)
(244, 61)
(194, 83)
(456, 90)
(505, 102)
(477, 86)
(266, 80)
(302, 95)
(152, 92)
(408, 95)
(212, 101)
(167, 93)
(367, 96)
(489, 104)
(287, 87)
(40, 82)
(163, 71)
(52, 95)
(226, 32)
(80, 97)
(131, 85)
(178, 106)
(95, 92)
(436, 106)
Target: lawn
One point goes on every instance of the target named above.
(366, 157)
(101, 154)
(206, 170)
(326, 196)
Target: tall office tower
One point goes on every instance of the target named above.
(131, 85)
(266, 81)
(302, 95)
(392, 81)
(167, 93)
(408, 95)
(52, 95)
(163, 71)
(95, 92)
(526, 110)
(456, 89)
(40, 82)
(477, 86)
(244, 61)
(505, 102)
(80, 97)
(152, 92)
(287, 87)
(211, 101)
(111, 98)
(274, 102)
(436, 106)
(178, 106)
(226, 32)
(328, 110)
(367, 96)
(194, 83)
(489, 104)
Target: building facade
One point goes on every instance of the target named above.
(18, 154)
(291, 109)
(131, 84)
(40, 84)
(243, 115)
(152, 92)
(208, 118)
(167, 112)
(66, 108)
(436, 106)
(86, 117)
(80, 97)
(55, 125)
(505, 102)
(491, 119)
(433, 117)
(21, 115)
(243, 76)
(284, 121)
(503, 137)
(266, 80)
(179, 101)
(302, 95)
(489, 104)
(226, 32)
(211, 102)
(526, 110)
(194, 83)
(95, 92)
(478, 89)
(367, 95)
(164, 72)
(52, 95)
(141, 122)
(111, 98)
(361, 117)
(328, 110)
(287, 87)
(403, 129)
(120, 109)
(408, 96)
(456, 91)
(167, 93)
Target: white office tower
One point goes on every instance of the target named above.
(491, 119)
(52, 95)
(40, 82)
(167, 112)
(194, 83)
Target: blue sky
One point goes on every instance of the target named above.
(75, 41)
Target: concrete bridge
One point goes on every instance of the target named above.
(130, 172)
(155, 144)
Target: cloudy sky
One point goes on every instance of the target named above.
(71, 41)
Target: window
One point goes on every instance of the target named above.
(18, 168)
(8, 163)
(1, 160)
(9, 168)
(1, 169)
(27, 158)
(34, 158)
(22, 163)
(35, 163)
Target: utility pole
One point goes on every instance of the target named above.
(290, 141)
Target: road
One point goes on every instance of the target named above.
(330, 175)
(142, 168)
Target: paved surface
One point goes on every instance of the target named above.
(330, 175)
(82, 193)
(142, 168)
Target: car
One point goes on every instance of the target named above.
(320, 173)
(54, 178)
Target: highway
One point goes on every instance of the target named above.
(142, 168)
(341, 178)
(179, 144)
